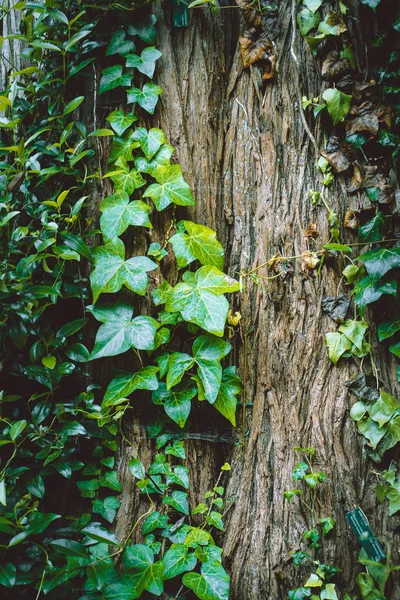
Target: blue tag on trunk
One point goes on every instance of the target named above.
(368, 541)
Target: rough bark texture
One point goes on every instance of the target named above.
(243, 148)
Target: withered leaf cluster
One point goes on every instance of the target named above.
(255, 43)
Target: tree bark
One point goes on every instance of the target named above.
(243, 148)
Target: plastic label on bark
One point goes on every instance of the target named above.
(368, 541)
(180, 13)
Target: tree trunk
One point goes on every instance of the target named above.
(243, 148)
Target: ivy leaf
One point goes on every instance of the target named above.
(378, 262)
(145, 29)
(8, 574)
(154, 521)
(199, 242)
(178, 501)
(338, 104)
(139, 559)
(146, 62)
(208, 352)
(226, 401)
(147, 97)
(170, 188)
(337, 345)
(215, 519)
(176, 402)
(200, 299)
(96, 532)
(112, 78)
(354, 331)
(300, 471)
(178, 364)
(123, 385)
(120, 121)
(395, 349)
(177, 560)
(119, 45)
(119, 213)
(150, 141)
(368, 290)
(327, 524)
(312, 5)
(384, 408)
(107, 508)
(127, 180)
(387, 330)
(162, 157)
(314, 41)
(371, 3)
(38, 522)
(211, 584)
(371, 431)
(299, 593)
(373, 230)
(120, 332)
(307, 20)
(112, 271)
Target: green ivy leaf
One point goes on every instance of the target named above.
(371, 431)
(337, 344)
(368, 290)
(198, 243)
(139, 559)
(127, 180)
(207, 352)
(150, 141)
(147, 97)
(354, 331)
(119, 214)
(372, 4)
(145, 28)
(312, 5)
(176, 402)
(200, 300)
(38, 522)
(96, 532)
(146, 62)
(178, 501)
(307, 20)
(384, 408)
(378, 262)
(374, 230)
(154, 521)
(314, 41)
(226, 400)
(36, 486)
(177, 560)
(170, 188)
(327, 524)
(300, 470)
(119, 45)
(215, 519)
(299, 593)
(107, 508)
(162, 157)
(210, 552)
(70, 548)
(395, 349)
(338, 104)
(120, 121)
(211, 584)
(112, 271)
(120, 332)
(388, 329)
(123, 385)
(112, 78)
(8, 574)
(178, 364)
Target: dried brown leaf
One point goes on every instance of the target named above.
(339, 153)
(251, 15)
(335, 20)
(351, 219)
(311, 232)
(334, 67)
(255, 47)
(310, 261)
(367, 117)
